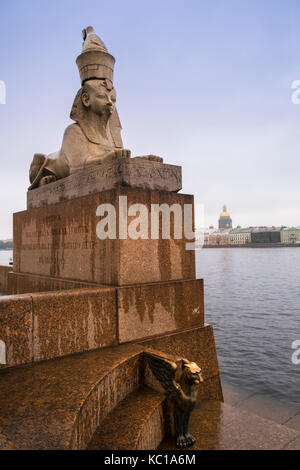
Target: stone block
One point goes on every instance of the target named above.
(155, 309)
(60, 240)
(60, 323)
(133, 172)
(73, 321)
(19, 283)
(4, 270)
(16, 326)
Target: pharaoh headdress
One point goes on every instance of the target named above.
(95, 63)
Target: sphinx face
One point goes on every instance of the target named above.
(99, 98)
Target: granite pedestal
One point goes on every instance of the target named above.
(61, 241)
(75, 292)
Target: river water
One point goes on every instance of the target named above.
(252, 298)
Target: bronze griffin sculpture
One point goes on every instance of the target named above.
(182, 393)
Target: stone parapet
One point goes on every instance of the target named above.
(156, 309)
(40, 326)
(4, 270)
(16, 330)
(20, 283)
(35, 327)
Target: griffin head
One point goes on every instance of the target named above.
(191, 373)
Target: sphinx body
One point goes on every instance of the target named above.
(94, 137)
(96, 134)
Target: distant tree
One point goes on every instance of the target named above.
(6, 245)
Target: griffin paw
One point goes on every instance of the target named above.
(190, 439)
(182, 441)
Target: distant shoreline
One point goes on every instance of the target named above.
(256, 245)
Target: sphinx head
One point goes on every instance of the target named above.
(94, 107)
(99, 97)
(95, 97)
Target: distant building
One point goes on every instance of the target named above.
(240, 236)
(266, 236)
(250, 235)
(225, 222)
(216, 238)
(290, 235)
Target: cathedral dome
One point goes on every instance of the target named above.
(224, 214)
(225, 221)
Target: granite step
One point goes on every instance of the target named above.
(137, 423)
(219, 426)
(58, 404)
(262, 405)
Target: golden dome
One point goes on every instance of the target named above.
(225, 214)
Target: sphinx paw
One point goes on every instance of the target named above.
(155, 158)
(47, 180)
(122, 153)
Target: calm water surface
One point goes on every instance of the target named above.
(252, 298)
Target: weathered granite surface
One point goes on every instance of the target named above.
(58, 404)
(46, 325)
(263, 405)
(4, 270)
(43, 326)
(20, 283)
(73, 321)
(219, 426)
(153, 309)
(16, 328)
(60, 240)
(133, 172)
(145, 410)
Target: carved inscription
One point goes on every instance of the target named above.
(54, 238)
(93, 179)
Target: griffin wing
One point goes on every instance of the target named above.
(164, 370)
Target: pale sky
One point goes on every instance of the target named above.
(205, 84)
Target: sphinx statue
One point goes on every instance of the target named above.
(95, 136)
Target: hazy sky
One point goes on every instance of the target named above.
(206, 84)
